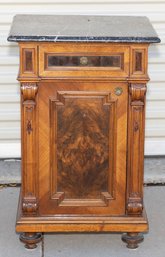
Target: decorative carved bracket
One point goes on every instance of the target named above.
(29, 206)
(135, 204)
(137, 94)
(29, 201)
(29, 91)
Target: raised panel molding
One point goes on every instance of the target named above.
(28, 58)
(91, 118)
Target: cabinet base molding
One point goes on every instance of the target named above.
(81, 223)
(132, 239)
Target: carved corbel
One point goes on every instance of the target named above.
(136, 115)
(137, 94)
(29, 185)
(29, 91)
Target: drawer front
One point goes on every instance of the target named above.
(83, 60)
(82, 147)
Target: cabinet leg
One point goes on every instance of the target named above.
(30, 239)
(132, 239)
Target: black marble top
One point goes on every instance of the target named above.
(82, 28)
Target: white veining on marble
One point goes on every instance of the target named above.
(75, 28)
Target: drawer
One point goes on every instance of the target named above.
(83, 60)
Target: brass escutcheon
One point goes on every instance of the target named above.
(118, 91)
(83, 60)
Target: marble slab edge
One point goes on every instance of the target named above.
(84, 39)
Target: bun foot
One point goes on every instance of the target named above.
(30, 239)
(132, 239)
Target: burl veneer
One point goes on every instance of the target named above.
(83, 90)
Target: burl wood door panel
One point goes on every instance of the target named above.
(82, 144)
(82, 147)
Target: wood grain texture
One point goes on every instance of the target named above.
(29, 163)
(55, 200)
(29, 66)
(83, 147)
(94, 49)
(136, 148)
(138, 66)
(81, 223)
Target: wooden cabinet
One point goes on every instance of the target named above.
(83, 113)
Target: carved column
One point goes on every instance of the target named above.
(29, 151)
(135, 167)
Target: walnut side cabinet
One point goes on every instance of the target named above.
(82, 119)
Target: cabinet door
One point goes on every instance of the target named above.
(82, 147)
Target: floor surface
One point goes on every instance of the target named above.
(84, 245)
